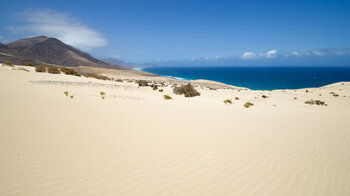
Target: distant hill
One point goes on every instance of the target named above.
(43, 49)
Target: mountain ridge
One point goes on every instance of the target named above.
(43, 49)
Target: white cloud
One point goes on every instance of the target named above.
(61, 26)
(249, 55)
(271, 54)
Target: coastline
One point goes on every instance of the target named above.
(135, 142)
(260, 78)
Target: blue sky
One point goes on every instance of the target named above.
(189, 32)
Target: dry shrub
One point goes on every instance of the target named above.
(92, 75)
(188, 90)
(69, 71)
(142, 82)
(9, 63)
(315, 102)
(29, 64)
(41, 68)
(53, 70)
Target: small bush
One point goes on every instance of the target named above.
(248, 104)
(160, 90)
(29, 64)
(236, 98)
(53, 70)
(69, 71)
(99, 77)
(295, 98)
(9, 63)
(167, 97)
(71, 96)
(264, 96)
(102, 93)
(103, 97)
(142, 82)
(315, 102)
(188, 90)
(66, 93)
(154, 87)
(40, 68)
(119, 80)
(227, 101)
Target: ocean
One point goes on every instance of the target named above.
(260, 78)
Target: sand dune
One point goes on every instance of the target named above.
(134, 142)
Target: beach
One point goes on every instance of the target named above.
(134, 142)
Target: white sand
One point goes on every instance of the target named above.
(136, 143)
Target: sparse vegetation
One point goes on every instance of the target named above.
(160, 90)
(154, 87)
(236, 98)
(103, 97)
(264, 96)
(167, 97)
(188, 90)
(315, 102)
(295, 98)
(248, 104)
(102, 93)
(53, 70)
(228, 101)
(142, 82)
(119, 80)
(66, 93)
(40, 68)
(69, 71)
(29, 64)
(71, 96)
(99, 77)
(9, 63)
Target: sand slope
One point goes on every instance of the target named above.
(136, 143)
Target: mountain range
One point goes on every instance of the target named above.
(45, 50)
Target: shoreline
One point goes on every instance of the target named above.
(251, 86)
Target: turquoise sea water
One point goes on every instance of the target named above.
(260, 78)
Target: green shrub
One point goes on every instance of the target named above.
(29, 64)
(236, 98)
(71, 96)
(167, 97)
(53, 70)
(248, 104)
(103, 97)
(188, 90)
(102, 93)
(69, 71)
(66, 93)
(227, 101)
(119, 80)
(295, 98)
(40, 68)
(160, 90)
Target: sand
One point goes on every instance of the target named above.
(134, 142)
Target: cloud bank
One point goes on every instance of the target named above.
(61, 26)
(251, 55)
